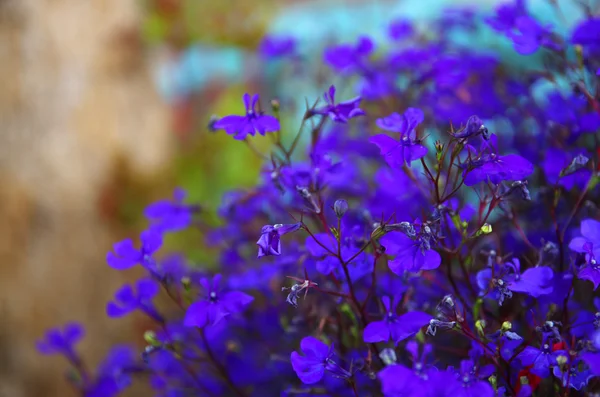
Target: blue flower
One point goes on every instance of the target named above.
(167, 215)
(269, 242)
(317, 358)
(407, 149)
(394, 327)
(128, 300)
(341, 112)
(412, 254)
(57, 341)
(128, 256)
(254, 121)
(541, 359)
(215, 305)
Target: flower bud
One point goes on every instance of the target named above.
(506, 326)
(340, 207)
(275, 105)
(388, 356)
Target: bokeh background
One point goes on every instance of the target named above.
(104, 107)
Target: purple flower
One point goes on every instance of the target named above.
(57, 341)
(397, 380)
(317, 358)
(528, 35)
(127, 256)
(348, 58)
(394, 327)
(341, 112)
(540, 359)
(128, 300)
(277, 47)
(471, 381)
(114, 373)
(535, 281)
(589, 245)
(586, 34)
(400, 29)
(397, 153)
(254, 121)
(168, 215)
(412, 255)
(215, 305)
(269, 242)
(495, 168)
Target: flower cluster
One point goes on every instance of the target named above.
(441, 227)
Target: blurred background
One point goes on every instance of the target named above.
(104, 107)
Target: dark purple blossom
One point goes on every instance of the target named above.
(400, 29)
(317, 358)
(276, 47)
(340, 112)
(407, 149)
(395, 327)
(348, 58)
(589, 245)
(128, 299)
(411, 254)
(269, 242)
(254, 121)
(542, 360)
(490, 166)
(57, 341)
(167, 215)
(126, 255)
(215, 305)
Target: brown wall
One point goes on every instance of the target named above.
(76, 95)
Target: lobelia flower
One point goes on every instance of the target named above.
(397, 153)
(412, 254)
(574, 374)
(114, 373)
(471, 381)
(347, 58)
(528, 35)
(341, 112)
(128, 300)
(269, 242)
(394, 327)
(317, 358)
(495, 168)
(397, 380)
(57, 341)
(586, 34)
(254, 121)
(589, 245)
(167, 215)
(215, 305)
(541, 360)
(535, 281)
(400, 29)
(473, 128)
(127, 256)
(272, 47)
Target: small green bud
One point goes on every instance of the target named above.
(480, 326)
(506, 326)
(562, 360)
(493, 381)
(186, 282)
(150, 338)
(486, 228)
(275, 105)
